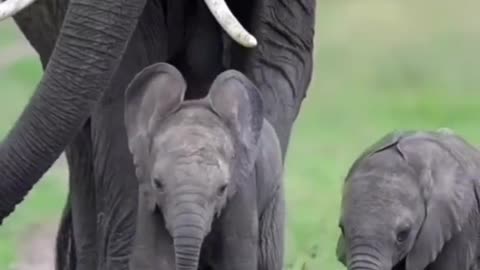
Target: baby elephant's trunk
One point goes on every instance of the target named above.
(365, 257)
(188, 234)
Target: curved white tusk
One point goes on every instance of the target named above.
(230, 24)
(11, 7)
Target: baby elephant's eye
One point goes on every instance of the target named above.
(403, 235)
(157, 183)
(221, 190)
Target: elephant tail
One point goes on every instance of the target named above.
(65, 258)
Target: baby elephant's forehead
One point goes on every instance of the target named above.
(194, 139)
(386, 182)
(199, 167)
(193, 156)
(389, 190)
(191, 131)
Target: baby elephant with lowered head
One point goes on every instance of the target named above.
(210, 175)
(411, 202)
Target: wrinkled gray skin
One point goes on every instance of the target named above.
(210, 175)
(411, 202)
(93, 49)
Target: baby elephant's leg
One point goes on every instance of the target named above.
(272, 230)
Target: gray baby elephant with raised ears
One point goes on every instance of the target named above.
(210, 175)
(410, 202)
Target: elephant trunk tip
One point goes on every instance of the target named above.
(187, 251)
(188, 233)
(187, 257)
(186, 262)
(370, 261)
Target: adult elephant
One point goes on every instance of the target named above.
(90, 51)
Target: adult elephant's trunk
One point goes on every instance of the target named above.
(188, 232)
(90, 45)
(219, 9)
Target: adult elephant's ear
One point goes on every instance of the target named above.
(383, 143)
(449, 190)
(239, 104)
(155, 92)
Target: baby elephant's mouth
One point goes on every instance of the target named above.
(400, 265)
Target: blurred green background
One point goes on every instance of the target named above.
(379, 65)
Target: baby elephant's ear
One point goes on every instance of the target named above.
(155, 92)
(239, 104)
(383, 143)
(446, 171)
(340, 250)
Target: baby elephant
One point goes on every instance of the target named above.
(411, 202)
(210, 175)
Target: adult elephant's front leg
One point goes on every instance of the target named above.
(238, 234)
(281, 65)
(116, 182)
(153, 248)
(82, 199)
(65, 257)
(116, 190)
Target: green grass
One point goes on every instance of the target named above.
(47, 198)
(380, 65)
(44, 203)
(8, 33)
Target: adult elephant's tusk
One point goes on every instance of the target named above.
(11, 7)
(230, 24)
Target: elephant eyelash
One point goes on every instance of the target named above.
(158, 184)
(221, 190)
(403, 235)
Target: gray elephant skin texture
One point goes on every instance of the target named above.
(90, 51)
(410, 202)
(210, 174)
